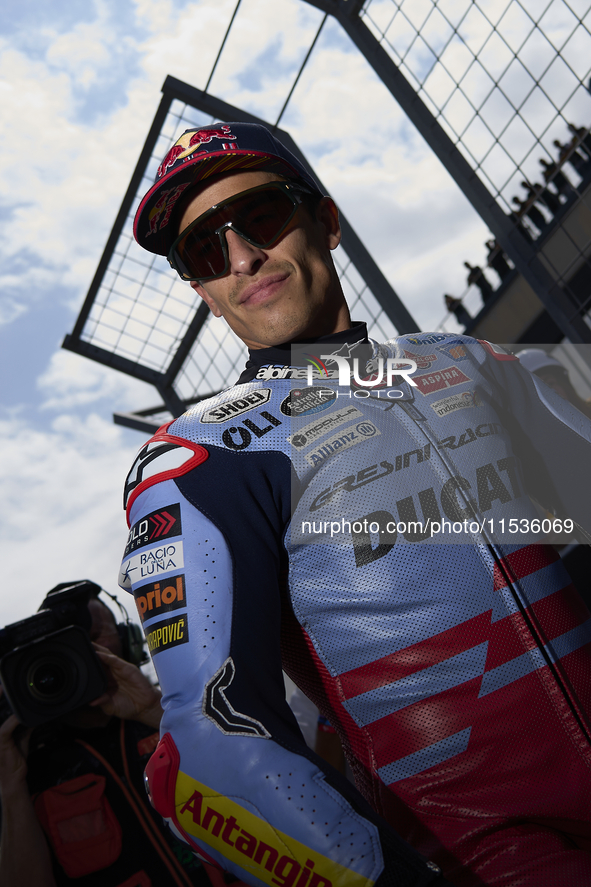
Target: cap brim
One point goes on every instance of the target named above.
(153, 226)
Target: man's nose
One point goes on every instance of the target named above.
(244, 257)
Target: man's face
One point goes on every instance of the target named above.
(556, 379)
(103, 630)
(287, 292)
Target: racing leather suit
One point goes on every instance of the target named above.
(358, 537)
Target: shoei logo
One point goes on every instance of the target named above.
(228, 409)
(257, 847)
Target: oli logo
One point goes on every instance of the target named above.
(160, 597)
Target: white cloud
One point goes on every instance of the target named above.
(264, 51)
(71, 382)
(10, 308)
(81, 52)
(63, 172)
(63, 208)
(71, 172)
(62, 517)
(402, 202)
(184, 44)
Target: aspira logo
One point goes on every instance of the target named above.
(247, 840)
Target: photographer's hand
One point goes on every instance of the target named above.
(24, 854)
(130, 695)
(13, 757)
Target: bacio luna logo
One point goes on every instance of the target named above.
(381, 375)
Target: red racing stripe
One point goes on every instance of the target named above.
(417, 657)
(552, 616)
(559, 612)
(355, 736)
(424, 723)
(524, 562)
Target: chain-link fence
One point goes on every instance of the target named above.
(139, 314)
(508, 82)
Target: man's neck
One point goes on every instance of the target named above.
(296, 353)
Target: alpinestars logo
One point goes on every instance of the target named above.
(219, 710)
(161, 458)
(161, 524)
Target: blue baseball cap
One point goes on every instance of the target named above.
(200, 153)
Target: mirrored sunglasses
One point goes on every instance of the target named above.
(259, 215)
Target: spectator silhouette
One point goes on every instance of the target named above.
(455, 307)
(496, 259)
(538, 192)
(477, 277)
(552, 173)
(582, 136)
(516, 219)
(532, 212)
(569, 154)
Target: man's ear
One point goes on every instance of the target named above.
(209, 300)
(328, 215)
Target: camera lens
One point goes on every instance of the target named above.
(51, 678)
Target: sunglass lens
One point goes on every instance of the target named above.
(259, 216)
(200, 254)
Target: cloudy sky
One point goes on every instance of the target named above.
(79, 83)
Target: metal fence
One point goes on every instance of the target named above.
(500, 91)
(140, 318)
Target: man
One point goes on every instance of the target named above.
(554, 374)
(73, 804)
(360, 537)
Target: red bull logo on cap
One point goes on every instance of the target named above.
(191, 140)
(162, 210)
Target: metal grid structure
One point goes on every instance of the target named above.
(491, 84)
(140, 318)
(505, 81)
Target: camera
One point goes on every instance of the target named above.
(48, 666)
